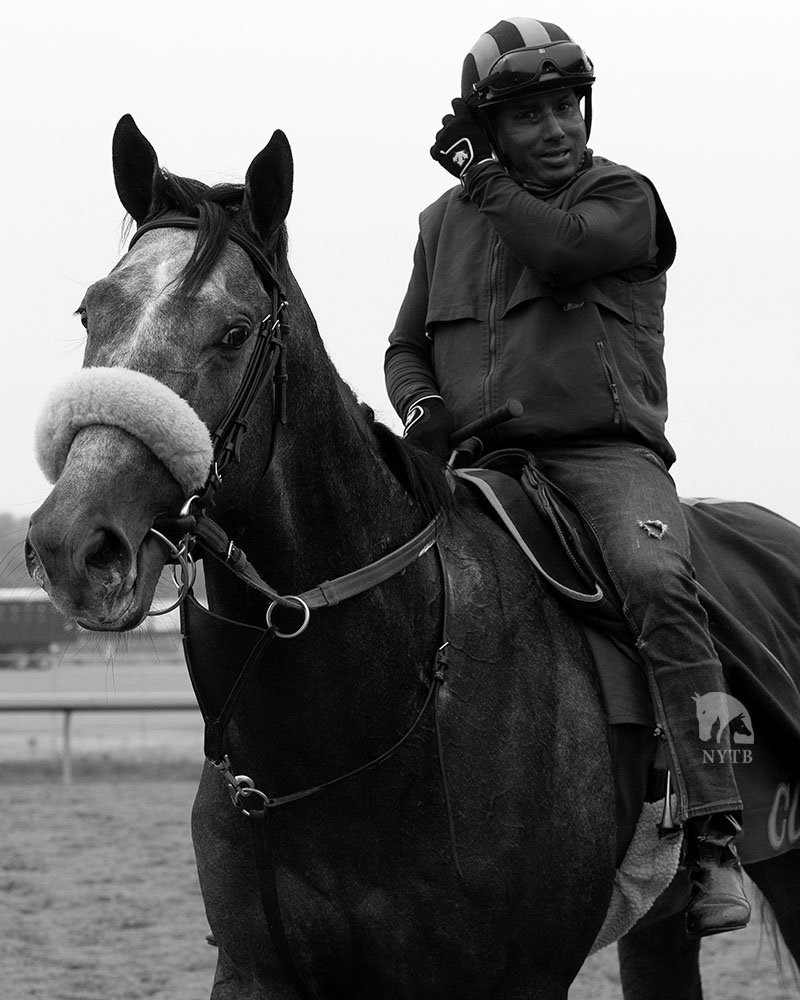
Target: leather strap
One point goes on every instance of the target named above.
(329, 593)
(265, 363)
(490, 483)
(270, 904)
(265, 268)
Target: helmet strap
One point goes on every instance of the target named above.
(491, 132)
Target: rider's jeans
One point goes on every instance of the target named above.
(626, 494)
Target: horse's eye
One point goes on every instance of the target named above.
(236, 337)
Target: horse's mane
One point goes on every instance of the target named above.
(218, 211)
(419, 473)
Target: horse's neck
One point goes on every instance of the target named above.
(339, 505)
(328, 504)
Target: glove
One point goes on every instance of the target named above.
(429, 426)
(461, 141)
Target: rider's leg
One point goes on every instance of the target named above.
(629, 499)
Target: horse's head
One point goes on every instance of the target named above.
(183, 308)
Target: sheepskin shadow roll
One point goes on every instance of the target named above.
(137, 403)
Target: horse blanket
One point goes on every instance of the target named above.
(747, 562)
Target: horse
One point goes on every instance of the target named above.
(436, 741)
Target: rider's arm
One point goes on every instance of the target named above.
(611, 227)
(408, 366)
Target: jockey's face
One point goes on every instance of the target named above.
(542, 138)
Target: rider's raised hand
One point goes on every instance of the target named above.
(461, 141)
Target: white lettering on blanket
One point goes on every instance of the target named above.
(783, 824)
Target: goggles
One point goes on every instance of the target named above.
(521, 68)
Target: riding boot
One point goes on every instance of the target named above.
(718, 902)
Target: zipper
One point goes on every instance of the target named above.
(494, 264)
(611, 382)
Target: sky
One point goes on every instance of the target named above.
(699, 96)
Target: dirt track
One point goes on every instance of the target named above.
(99, 901)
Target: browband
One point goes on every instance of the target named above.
(264, 267)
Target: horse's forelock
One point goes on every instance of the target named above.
(217, 210)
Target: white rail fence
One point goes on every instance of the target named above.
(67, 705)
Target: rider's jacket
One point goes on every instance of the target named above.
(554, 298)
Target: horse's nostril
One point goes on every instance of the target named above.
(34, 563)
(107, 554)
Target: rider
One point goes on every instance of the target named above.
(541, 276)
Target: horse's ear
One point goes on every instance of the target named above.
(268, 187)
(136, 168)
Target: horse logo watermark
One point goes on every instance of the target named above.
(717, 712)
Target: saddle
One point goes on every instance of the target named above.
(550, 532)
(741, 553)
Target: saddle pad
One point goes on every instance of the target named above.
(649, 866)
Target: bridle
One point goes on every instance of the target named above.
(266, 360)
(267, 364)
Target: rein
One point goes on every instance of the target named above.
(266, 363)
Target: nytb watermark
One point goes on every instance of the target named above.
(718, 713)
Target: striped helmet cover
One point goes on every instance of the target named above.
(511, 33)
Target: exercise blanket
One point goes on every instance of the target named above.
(747, 561)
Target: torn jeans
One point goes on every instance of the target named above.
(626, 494)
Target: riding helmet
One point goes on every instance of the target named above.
(521, 56)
